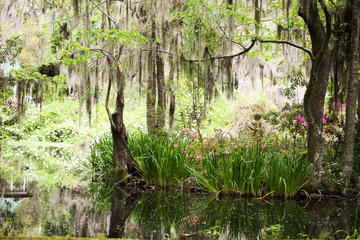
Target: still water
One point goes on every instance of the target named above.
(173, 216)
(67, 211)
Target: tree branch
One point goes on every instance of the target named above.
(328, 30)
(224, 57)
(107, 100)
(289, 43)
(98, 7)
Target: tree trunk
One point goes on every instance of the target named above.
(20, 100)
(86, 70)
(228, 62)
(140, 73)
(352, 90)
(161, 106)
(172, 93)
(123, 161)
(316, 90)
(151, 85)
(88, 92)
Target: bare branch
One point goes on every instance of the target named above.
(107, 100)
(205, 59)
(224, 57)
(288, 43)
(98, 7)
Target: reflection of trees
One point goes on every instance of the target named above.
(159, 215)
(121, 206)
(9, 220)
(329, 216)
(59, 213)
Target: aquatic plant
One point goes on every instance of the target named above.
(161, 158)
(240, 172)
(285, 174)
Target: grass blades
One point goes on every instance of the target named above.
(240, 172)
(161, 160)
(287, 175)
(251, 170)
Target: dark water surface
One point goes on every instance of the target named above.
(168, 216)
(69, 212)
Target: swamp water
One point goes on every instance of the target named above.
(69, 212)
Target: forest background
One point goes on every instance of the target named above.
(225, 95)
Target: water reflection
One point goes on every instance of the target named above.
(59, 213)
(158, 216)
(70, 213)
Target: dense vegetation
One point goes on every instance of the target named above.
(251, 98)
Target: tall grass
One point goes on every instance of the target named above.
(161, 160)
(252, 171)
(240, 172)
(286, 175)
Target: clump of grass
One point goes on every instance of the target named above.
(286, 175)
(240, 172)
(252, 170)
(161, 159)
(219, 164)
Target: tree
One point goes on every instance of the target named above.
(109, 45)
(319, 75)
(352, 91)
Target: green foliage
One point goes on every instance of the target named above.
(296, 79)
(11, 49)
(59, 35)
(286, 175)
(238, 172)
(78, 53)
(252, 170)
(48, 167)
(161, 159)
(218, 165)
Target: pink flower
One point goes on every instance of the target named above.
(226, 151)
(199, 157)
(324, 120)
(176, 145)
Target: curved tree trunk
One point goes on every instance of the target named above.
(316, 90)
(123, 161)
